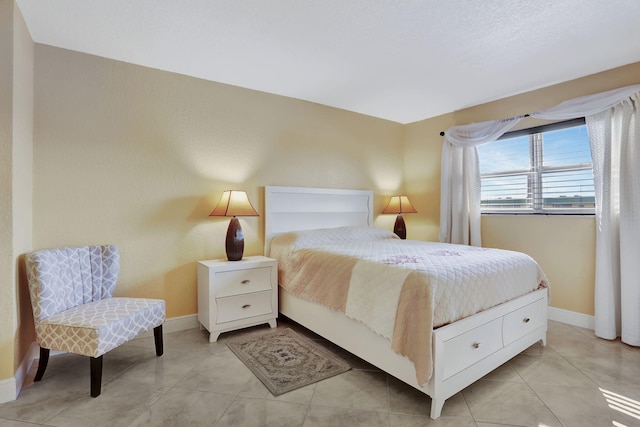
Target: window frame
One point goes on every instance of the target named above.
(538, 169)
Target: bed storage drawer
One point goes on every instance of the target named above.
(243, 306)
(519, 322)
(472, 346)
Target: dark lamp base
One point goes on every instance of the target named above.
(235, 240)
(399, 228)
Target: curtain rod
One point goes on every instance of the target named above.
(442, 133)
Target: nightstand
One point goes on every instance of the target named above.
(237, 294)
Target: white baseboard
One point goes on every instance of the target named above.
(10, 388)
(177, 324)
(182, 323)
(571, 317)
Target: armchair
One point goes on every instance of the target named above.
(71, 295)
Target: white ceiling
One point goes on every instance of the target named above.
(402, 60)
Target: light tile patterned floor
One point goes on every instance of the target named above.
(576, 380)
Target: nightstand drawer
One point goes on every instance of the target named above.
(239, 282)
(243, 306)
(472, 346)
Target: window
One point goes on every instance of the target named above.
(543, 170)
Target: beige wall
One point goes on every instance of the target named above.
(22, 179)
(139, 157)
(16, 126)
(564, 246)
(422, 155)
(7, 294)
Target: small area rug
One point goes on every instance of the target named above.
(285, 361)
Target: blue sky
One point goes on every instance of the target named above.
(564, 146)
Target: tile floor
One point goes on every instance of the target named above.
(576, 380)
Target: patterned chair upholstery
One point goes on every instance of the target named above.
(74, 311)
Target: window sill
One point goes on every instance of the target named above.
(566, 214)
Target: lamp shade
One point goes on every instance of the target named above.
(398, 205)
(234, 203)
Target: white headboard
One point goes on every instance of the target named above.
(301, 208)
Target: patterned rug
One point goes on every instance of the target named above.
(285, 361)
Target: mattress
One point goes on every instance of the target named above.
(401, 289)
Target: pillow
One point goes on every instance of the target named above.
(330, 236)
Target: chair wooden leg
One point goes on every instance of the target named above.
(96, 376)
(42, 363)
(157, 335)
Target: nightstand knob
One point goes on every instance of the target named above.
(245, 281)
(526, 320)
(476, 345)
(246, 306)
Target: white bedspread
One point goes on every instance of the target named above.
(465, 279)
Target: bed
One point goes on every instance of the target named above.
(441, 357)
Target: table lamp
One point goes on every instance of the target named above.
(399, 205)
(234, 203)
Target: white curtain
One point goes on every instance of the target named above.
(613, 122)
(614, 135)
(460, 179)
(460, 182)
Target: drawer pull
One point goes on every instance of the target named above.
(246, 306)
(245, 281)
(475, 345)
(526, 320)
